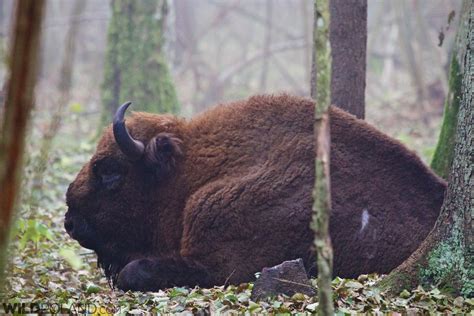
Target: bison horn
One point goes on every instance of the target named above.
(131, 148)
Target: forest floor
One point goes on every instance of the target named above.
(49, 270)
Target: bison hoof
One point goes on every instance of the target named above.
(139, 275)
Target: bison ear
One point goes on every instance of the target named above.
(161, 153)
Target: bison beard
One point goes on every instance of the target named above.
(213, 200)
(111, 268)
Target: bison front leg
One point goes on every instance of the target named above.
(152, 274)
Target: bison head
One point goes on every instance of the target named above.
(109, 201)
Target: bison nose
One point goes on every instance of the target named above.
(79, 229)
(68, 225)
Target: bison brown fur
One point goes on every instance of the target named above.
(217, 198)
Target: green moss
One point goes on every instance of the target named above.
(395, 282)
(447, 267)
(444, 152)
(322, 58)
(135, 67)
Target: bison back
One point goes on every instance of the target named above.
(252, 207)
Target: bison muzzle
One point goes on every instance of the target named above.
(165, 201)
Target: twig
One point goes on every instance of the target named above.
(228, 278)
(292, 282)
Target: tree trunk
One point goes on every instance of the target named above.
(446, 258)
(18, 105)
(267, 41)
(412, 57)
(185, 31)
(320, 91)
(444, 153)
(348, 34)
(135, 66)
(64, 87)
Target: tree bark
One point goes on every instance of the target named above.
(444, 152)
(18, 105)
(446, 258)
(348, 35)
(135, 65)
(320, 91)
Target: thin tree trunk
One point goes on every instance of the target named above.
(18, 105)
(446, 258)
(412, 56)
(390, 50)
(307, 39)
(427, 44)
(348, 34)
(3, 32)
(64, 86)
(320, 91)
(267, 41)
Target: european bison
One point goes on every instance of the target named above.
(165, 201)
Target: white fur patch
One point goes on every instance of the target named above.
(364, 221)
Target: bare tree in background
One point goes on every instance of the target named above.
(64, 87)
(18, 105)
(185, 29)
(3, 29)
(409, 53)
(267, 41)
(348, 34)
(320, 92)
(446, 258)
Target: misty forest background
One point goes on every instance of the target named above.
(219, 51)
(204, 52)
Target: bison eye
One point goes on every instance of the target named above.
(108, 173)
